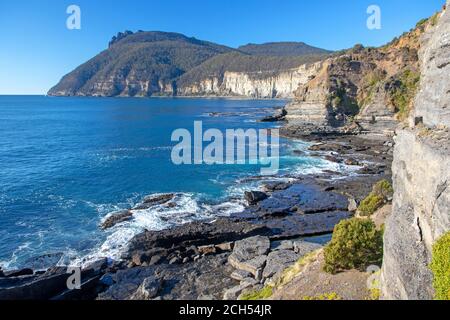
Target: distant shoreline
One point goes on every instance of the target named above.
(172, 97)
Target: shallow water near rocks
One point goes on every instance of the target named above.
(66, 163)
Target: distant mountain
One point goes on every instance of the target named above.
(158, 63)
(282, 49)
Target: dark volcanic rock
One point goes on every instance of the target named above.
(154, 200)
(275, 186)
(277, 116)
(302, 198)
(40, 287)
(206, 277)
(148, 289)
(51, 284)
(331, 146)
(333, 159)
(253, 197)
(296, 225)
(197, 234)
(116, 218)
(18, 273)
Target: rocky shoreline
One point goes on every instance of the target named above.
(223, 258)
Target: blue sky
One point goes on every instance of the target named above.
(37, 49)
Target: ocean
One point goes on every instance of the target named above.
(66, 163)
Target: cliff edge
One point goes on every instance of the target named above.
(421, 176)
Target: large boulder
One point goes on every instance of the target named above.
(278, 261)
(51, 284)
(253, 197)
(148, 289)
(250, 255)
(116, 218)
(154, 200)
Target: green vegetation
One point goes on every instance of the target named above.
(374, 286)
(160, 59)
(325, 296)
(434, 19)
(403, 91)
(341, 102)
(422, 22)
(154, 57)
(282, 49)
(375, 294)
(291, 272)
(258, 66)
(383, 188)
(286, 277)
(370, 83)
(356, 244)
(370, 204)
(440, 266)
(262, 294)
(380, 194)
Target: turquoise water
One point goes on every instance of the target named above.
(66, 163)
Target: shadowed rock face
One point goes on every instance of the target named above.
(421, 176)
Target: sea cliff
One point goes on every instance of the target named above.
(421, 174)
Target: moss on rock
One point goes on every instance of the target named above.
(262, 294)
(325, 296)
(440, 266)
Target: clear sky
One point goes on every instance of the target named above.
(37, 49)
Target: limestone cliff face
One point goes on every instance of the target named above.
(281, 84)
(421, 176)
(369, 88)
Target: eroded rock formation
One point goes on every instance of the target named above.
(362, 89)
(281, 84)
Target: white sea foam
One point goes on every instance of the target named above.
(15, 255)
(187, 208)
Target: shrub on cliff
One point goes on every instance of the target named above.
(383, 189)
(402, 90)
(356, 244)
(370, 204)
(440, 266)
(381, 192)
